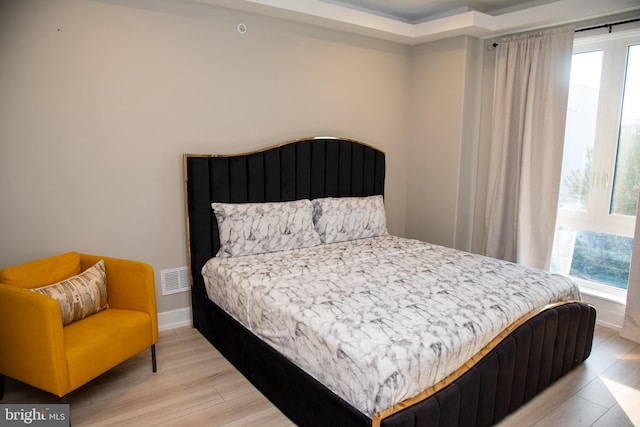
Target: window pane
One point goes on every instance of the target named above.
(580, 129)
(624, 200)
(596, 257)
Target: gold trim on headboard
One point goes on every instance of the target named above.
(185, 182)
(293, 141)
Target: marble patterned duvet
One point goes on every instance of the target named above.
(379, 320)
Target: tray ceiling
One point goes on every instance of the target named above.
(414, 11)
(418, 21)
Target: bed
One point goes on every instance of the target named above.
(500, 374)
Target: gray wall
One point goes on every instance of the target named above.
(100, 99)
(443, 121)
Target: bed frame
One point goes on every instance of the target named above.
(506, 374)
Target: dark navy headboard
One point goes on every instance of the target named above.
(302, 169)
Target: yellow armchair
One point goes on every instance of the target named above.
(37, 349)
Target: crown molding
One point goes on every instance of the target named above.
(469, 23)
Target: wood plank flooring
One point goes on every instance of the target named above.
(196, 386)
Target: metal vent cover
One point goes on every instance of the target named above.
(175, 280)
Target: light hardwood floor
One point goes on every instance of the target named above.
(195, 386)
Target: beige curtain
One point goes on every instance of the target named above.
(631, 325)
(530, 104)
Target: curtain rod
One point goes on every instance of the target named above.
(595, 27)
(609, 26)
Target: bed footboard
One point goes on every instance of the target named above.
(520, 367)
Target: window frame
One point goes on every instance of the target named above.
(596, 217)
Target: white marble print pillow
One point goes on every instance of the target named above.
(342, 219)
(256, 228)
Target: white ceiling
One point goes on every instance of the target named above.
(418, 21)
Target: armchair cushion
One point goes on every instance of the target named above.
(99, 342)
(81, 295)
(43, 271)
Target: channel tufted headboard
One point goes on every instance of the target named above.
(307, 168)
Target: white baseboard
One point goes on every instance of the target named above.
(174, 319)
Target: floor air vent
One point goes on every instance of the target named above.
(175, 280)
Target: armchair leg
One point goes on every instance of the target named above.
(1, 386)
(153, 358)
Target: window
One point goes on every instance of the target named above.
(601, 164)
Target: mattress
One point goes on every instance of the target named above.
(379, 320)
